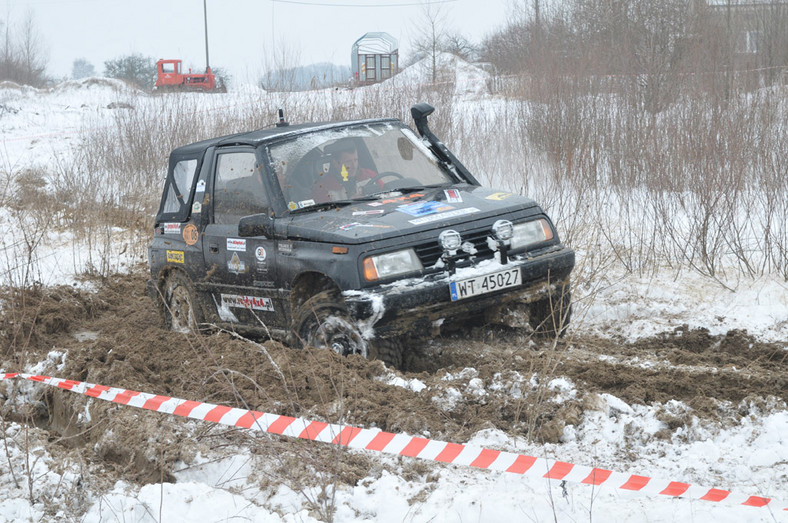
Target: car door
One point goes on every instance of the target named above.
(241, 271)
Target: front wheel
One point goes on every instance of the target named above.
(324, 323)
(181, 312)
(550, 316)
(388, 350)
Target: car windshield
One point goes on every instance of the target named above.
(352, 163)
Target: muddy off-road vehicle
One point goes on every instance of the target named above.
(348, 236)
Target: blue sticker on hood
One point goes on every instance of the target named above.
(424, 208)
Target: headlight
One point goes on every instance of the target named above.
(391, 264)
(529, 233)
(450, 240)
(502, 229)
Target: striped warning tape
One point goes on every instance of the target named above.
(403, 445)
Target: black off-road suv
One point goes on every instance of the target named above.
(349, 236)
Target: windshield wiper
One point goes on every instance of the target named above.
(415, 188)
(403, 190)
(322, 206)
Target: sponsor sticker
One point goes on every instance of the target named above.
(247, 302)
(176, 257)
(236, 265)
(260, 253)
(424, 208)
(498, 196)
(190, 234)
(263, 284)
(453, 195)
(172, 228)
(196, 207)
(305, 203)
(349, 226)
(200, 186)
(236, 244)
(443, 216)
(364, 213)
(292, 206)
(285, 247)
(397, 199)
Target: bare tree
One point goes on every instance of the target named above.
(32, 54)
(431, 37)
(281, 67)
(458, 45)
(22, 57)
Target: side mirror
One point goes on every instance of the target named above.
(256, 225)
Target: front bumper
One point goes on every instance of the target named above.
(414, 306)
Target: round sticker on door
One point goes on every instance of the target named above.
(259, 253)
(190, 234)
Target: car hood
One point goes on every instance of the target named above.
(395, 214)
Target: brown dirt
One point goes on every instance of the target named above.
(501, 375)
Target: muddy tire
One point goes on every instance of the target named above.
(181, 311)
(323, 322)
(390, 351)
(550, 316)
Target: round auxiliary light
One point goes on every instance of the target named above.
(503, 230)
(450, 240)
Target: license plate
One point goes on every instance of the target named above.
(483, 284)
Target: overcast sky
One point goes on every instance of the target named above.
(241, 32)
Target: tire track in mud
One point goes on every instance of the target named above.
(686, 365)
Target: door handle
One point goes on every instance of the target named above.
(214, 248)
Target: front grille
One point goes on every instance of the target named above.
(430, 252)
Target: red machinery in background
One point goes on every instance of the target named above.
(170, 77)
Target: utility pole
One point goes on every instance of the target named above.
(205, 15)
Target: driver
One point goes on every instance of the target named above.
(344, 179)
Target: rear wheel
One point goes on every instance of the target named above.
(323, 322)
(181, 313)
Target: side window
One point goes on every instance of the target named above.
(238, 188)
(180, 186)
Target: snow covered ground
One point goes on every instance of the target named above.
(749, 458)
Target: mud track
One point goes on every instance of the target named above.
(488, 377)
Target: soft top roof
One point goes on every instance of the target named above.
(195, 150)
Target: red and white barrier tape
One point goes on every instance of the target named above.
(403, 445)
